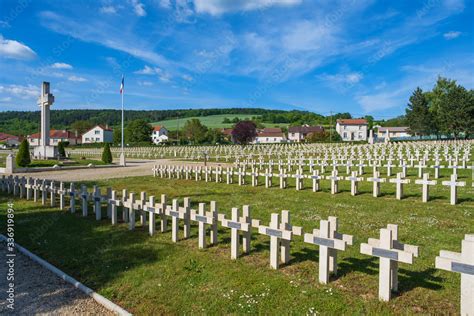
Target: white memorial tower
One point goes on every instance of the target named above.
(44, 150)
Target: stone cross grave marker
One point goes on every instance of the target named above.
(399, 185)
(235, 225)
(114, 202)
(354, 182)
(315, 177)
(299, 176)
(376, 184)
(390, 251)
(285, 224)
(462, 263)
(205, 218)
(329, 241)
(276, 233)
(425, 188)
(453, 184)
(334, 182)
(84, 197)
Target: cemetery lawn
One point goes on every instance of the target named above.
(151, 275)
(70, 162)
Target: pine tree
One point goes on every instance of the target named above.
(107, 154)
(61, 151)
(419, 118)
(23, 157)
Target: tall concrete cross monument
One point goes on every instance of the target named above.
(44, 150)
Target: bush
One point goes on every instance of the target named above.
(23, 158)
(107, 154)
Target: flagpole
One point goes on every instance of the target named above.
(122, 155)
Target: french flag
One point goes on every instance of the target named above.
(122, 85)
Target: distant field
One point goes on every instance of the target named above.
(211, 121)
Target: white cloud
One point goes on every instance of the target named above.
(147, 70)
(77, 79)
(108, 9)
(451, 35)
(138, 7)
(15, 50)
(382, 101)
(105, 34)
(187, 77)
(343, 78)
(23, 92)
(145, 83)
(7, 99)
(166, 4)
(217, 7)
(61, 66)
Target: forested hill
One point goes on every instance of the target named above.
(27, 122)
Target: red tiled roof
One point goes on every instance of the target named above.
(63, 134)
(271, 130)
(105, 128)
(157, 128)
(4, 136)
(265, 134)
(227, 131)
(352, 121)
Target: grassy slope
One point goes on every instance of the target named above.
(211, 121)
(151, 275)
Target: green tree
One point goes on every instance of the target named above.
(138, 131)
(226, 121)
(107, 154)
(23, 157)
(61, 151)
(418, 115)
(81, 126)
(215, 136)
(456, 112)
(194, 131)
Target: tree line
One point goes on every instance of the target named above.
(448, 109)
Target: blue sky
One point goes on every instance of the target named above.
(362, 57)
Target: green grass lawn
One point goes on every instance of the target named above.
(70, 162)
(211, 121)
(151, 275)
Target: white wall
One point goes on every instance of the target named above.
(97, 135)
(352, 132)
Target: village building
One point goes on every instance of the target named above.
(352, 129)
(7, 140)
(299, 133)
(159, 135)
(393, 132)
(270, 135)
(55, 137)
(98, 134)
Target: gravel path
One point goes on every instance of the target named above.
(39, 291)
(134, 168)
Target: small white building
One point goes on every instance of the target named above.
(393, 132)
(299, 133)
(98, 134)
(159, 135)
(352, 129)
(270, 136)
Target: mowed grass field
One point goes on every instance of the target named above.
(152, 275)
(211, 121)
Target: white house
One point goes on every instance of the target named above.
(270, 136)
(159, 135)
(299, 133)
(352, 129)
(98, 134)
(55, 136)
(393, 132)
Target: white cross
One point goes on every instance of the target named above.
(390, 252)
(453, 184)
(354, 180)
(462, 263)
(276, 233)
(425, 189)
(376, 183)
(235, 225)
(329, 241)
(399, 185)
(205, 218)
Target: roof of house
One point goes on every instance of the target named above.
(394, 129)
(227, 131)
(352, 121)
(57, 134)
(264, 134)
(104, 127)
(157, 128)
(4, 137)
(305, 129)
(271, 130)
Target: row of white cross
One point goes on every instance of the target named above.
(280, 230)
(208, 173)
